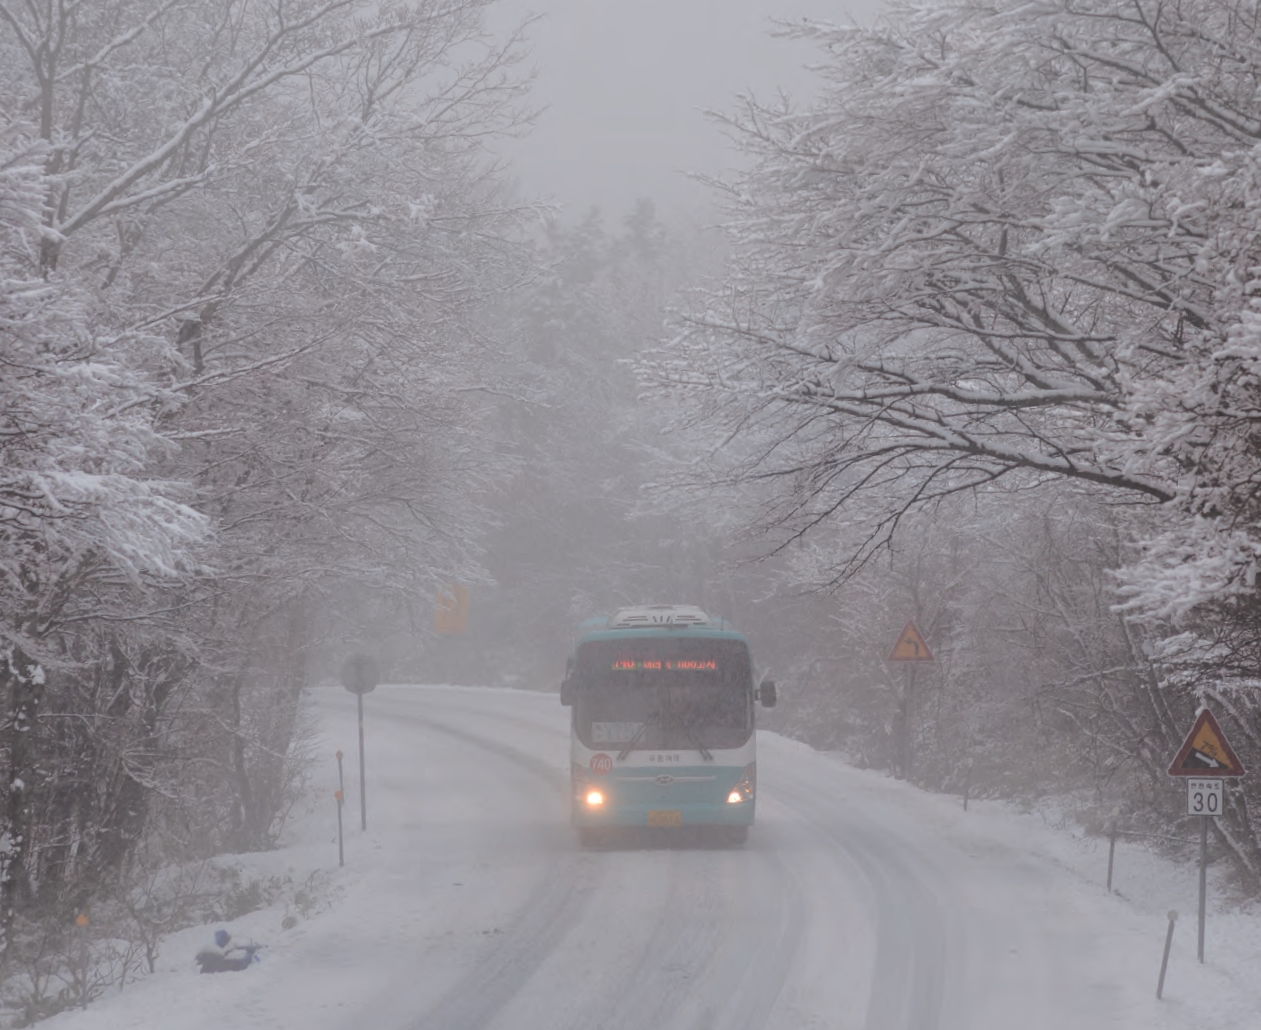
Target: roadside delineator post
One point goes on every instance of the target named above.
(967, 784)
(1164, 962)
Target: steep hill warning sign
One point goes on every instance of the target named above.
(1206, 752)
(911, 647)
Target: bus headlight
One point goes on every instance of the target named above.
(743, 790)
(594, 798)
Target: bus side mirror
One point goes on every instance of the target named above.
(567, 691)
(766, 693)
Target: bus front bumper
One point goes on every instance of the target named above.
(665, 816)
(686, 797)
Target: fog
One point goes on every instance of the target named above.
(897, 484)
(625, 87)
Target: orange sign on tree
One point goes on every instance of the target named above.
(450, 611)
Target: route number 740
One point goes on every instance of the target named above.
(1204, 797)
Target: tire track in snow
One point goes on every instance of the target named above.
(474, 1001)
(908, 985)
(669, 958)
(723, 947)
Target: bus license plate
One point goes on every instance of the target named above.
(665, 817)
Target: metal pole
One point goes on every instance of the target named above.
(81, 921)
(1164, 962)
(341, 797)
(1203, 881)
(341, 847)
(1112, 848)
(363, 785)
(910, 750)
(905, 760)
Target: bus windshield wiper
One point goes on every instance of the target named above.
(643, 727)
(689, 727)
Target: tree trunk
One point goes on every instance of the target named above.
(22, 685)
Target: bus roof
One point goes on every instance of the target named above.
(657, 620)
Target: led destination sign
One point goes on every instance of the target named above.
(666, 664)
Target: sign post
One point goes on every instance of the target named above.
(912, 648)
(1204, 759)
(360, 675)
(340, 794)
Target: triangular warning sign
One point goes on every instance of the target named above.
(911, 647)
(1205, 752)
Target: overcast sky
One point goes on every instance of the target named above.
(625, 83)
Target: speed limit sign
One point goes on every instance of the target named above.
(1204, 797)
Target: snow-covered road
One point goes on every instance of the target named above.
(857, 903)
(837, 913)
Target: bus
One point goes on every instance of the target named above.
(662, 702)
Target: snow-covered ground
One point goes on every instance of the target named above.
(858, 902)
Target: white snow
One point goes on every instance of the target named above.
(858, 902)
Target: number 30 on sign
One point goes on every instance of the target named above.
(1204, 797)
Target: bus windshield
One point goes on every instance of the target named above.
(655, 693)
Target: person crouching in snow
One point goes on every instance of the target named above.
(228, 955)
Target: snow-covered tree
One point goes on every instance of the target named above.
(567, 544)
(257, 238)
(82, 515)
(978, 253)
(1011, 244)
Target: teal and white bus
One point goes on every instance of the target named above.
(662, 698)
